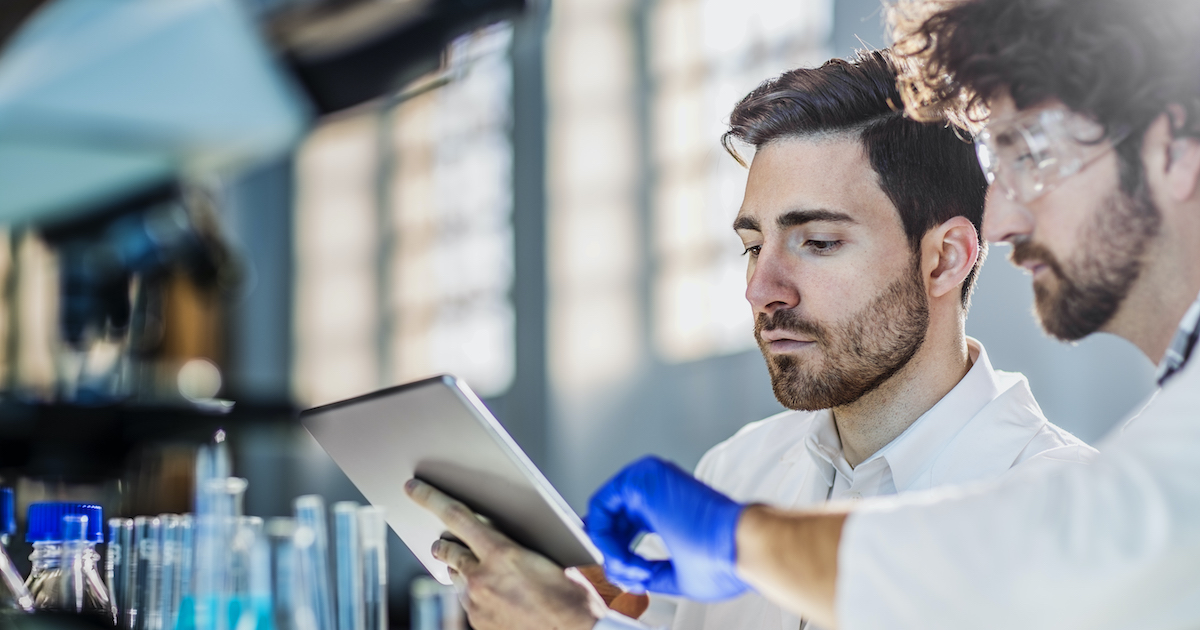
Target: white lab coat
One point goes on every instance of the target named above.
(1112, 545)
(983, 427)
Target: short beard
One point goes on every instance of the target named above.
(858, 356)
(1092, 288)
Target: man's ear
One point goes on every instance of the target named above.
(949, 252)
(1178, 156)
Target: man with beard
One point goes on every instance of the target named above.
(860, 228)
(861, 234)
(1092, 142)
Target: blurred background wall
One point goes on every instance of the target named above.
(553, 225)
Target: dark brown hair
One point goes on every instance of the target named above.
(1121, 62)
(928, 172)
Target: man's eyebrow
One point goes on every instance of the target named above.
(746, 223)
(800, 217)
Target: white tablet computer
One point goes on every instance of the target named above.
(439, 431)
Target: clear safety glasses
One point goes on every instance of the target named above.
(1030, 153)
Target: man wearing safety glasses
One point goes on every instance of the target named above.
(1026, 155)
(1092, 144)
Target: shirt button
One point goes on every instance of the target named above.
(854, 496)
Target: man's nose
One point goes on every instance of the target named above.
(1005, 219)
(771, 285)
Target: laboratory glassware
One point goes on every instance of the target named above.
(291, 609)
(435, 606)
(8, 516)
(349, 566)
(187, 565)
(14, 596)
(65, 574)
(313, 558)
(218, 505)
(372, 532)
(150, 572)
(139, 575)
(116, 572)
(249, 575)
(169, 549)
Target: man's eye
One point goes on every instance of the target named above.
(823, 247)
(753, 250)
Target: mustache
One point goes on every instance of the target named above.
(1026, 250)
(789, 320)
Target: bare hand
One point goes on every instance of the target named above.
(628, 604)
(502, 585)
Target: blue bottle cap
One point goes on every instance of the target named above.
(8, 512)
(75, 527)
(46, 521)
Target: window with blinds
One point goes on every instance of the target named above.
(404, 235)
(703, 56)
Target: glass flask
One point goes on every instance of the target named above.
(14, 596)
(65, 574)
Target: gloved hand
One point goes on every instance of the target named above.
(698, 525)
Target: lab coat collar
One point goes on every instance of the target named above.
(913, 450)
(1008, 418)
(822, 443)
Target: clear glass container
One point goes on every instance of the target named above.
(170, 545)
(250, 576)
(117, 572)
(373, 535)
(435, 606)
(207, 602)
(291, 608)
(312, 558)
(349, 564)
(65, 575)
(14, 596)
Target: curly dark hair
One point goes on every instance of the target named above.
(927, 170)
(1120, 62)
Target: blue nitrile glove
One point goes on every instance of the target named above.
(698, 525)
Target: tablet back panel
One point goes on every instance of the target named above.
(439, 431)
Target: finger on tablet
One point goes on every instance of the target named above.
(460, 586)
(463, 523)
(457, 557)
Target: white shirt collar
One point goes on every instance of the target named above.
(1182, 343)
(823, 443)
(910, 453)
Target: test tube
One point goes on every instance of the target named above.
(372, 532)
(137, 574)
(187, 553)
(290, 608)
(169, 552)
(260, 574)
(313, 558)
(150, 560)
(435, 606)
(284, 588)
(222, 503)
(116, 572)
(250, 575)
(348, 554)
